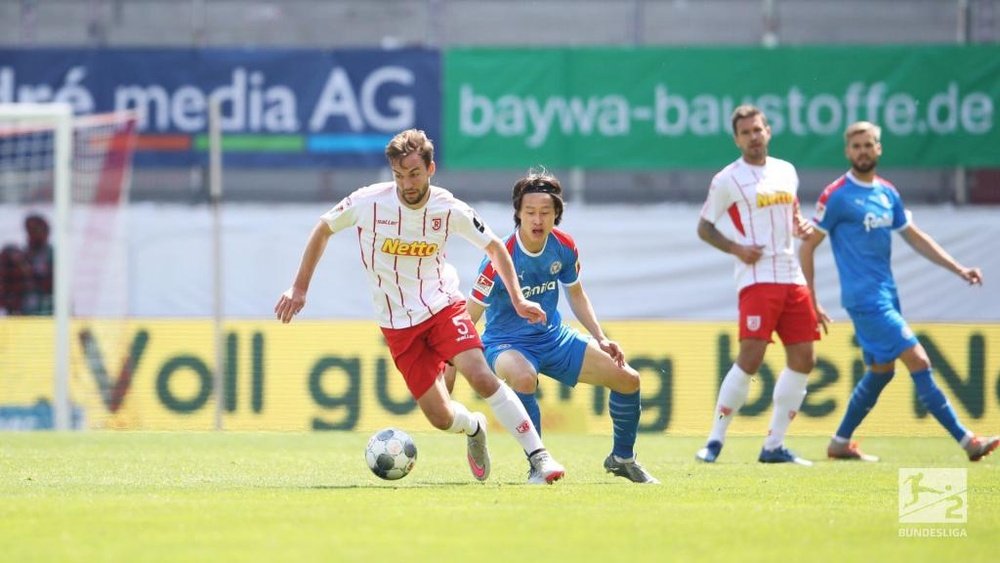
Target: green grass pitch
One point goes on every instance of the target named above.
(133, 496)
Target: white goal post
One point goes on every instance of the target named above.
(51, 159)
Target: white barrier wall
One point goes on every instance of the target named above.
(638, 262)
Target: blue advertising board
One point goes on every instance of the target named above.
(279, 107)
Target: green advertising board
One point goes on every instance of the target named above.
(661, 108)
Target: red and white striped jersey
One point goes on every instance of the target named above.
(761, 202)
(403, 249)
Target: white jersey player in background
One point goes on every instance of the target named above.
(758, 194)
(402, 227)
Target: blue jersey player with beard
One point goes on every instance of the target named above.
(545, 258)
(859, 212)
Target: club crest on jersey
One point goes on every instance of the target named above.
(344, 204)
(399, 247)
(483, 285)
(555, 268)
(753, 322)
(436, 224)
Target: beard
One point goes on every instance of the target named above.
(866, 166)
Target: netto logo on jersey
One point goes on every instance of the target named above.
(777, 198)
(538, 289)
(403, 248)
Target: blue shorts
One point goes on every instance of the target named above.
(558, 354)
(882, 333)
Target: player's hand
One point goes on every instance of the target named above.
(531, 311)
(974, 276)
(824, 319)
(612, 349)
(289, 304)
(748, 253)
(801, 227)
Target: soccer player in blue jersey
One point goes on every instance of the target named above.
(858, 212)
(546, 257)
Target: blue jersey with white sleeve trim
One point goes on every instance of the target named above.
(859, 218)
(539, 275)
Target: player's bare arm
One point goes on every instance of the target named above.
(927, 247)
(807, 253)
(748, 254)
(504, 266)
(294, 298)
(583, 310)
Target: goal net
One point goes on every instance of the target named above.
(64, 182)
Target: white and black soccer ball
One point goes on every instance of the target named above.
(390, 454)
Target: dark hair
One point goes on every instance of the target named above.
(745, 111)
(537, 183)
(408, 142)
(36, 220)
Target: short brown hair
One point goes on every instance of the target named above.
(744, 111)
(538, 182)
(863, 127)
(408, 142)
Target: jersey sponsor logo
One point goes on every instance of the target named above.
(399, 247)
(483, 285)
(873, 221)
(436, 224)
(753, 322)
(389, 222)
(555, 268)
(538, 289)
(776, 198)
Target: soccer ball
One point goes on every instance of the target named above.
(390, 454)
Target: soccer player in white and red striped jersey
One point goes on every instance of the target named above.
(758, 193)
(402, 228)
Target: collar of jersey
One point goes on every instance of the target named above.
(517, 235)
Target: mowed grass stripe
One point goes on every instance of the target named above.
(117, 496)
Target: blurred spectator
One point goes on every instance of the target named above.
(39, 255)
(15, 279)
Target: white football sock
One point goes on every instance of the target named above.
(463, 422)
(732, 395)
(789, 393)
(507, 409)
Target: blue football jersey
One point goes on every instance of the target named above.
(859, 219)
(539, 275)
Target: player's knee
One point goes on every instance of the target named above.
(482, 381)
(627, 382)
(523, 384)
(441, 420)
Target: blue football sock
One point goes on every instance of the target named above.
(531, 405)
(624, 410)
(937, 404)
(863, 398)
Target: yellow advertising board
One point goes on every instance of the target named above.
(157, 374)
